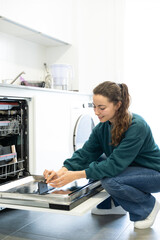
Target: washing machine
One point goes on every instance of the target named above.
(83, 120)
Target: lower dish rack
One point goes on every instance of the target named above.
(11, 169)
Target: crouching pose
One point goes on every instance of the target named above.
(130, 173)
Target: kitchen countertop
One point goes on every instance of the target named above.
(40, 89)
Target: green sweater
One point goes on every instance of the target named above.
(137, 148)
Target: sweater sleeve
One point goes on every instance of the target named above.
(121, 157)
(90, 152)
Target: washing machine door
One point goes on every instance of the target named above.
(82, 131)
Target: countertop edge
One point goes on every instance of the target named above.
(29, 88)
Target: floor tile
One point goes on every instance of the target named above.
(87, 227)
(132, 233)
(139, 234)
(30, 225)
(4, 233)
(28, 236)
(12, 220)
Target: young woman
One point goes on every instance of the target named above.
(130, 171)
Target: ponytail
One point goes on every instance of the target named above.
(122, 117)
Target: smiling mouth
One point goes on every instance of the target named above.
(100, 118)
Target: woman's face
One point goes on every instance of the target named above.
(104, 109)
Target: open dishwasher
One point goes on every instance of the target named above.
(19, 189)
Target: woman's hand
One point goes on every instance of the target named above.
(52, 175)
(66, 177)
(49, 174)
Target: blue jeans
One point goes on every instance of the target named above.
(132, 190)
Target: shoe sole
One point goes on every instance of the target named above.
(139, 224)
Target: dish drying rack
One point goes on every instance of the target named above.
(9, 166)
(11, 169)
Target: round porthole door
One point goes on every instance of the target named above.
(82, 131)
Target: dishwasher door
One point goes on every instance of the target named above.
(24, 192)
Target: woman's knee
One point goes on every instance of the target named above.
(110, 185)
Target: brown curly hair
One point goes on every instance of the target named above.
(115, 93)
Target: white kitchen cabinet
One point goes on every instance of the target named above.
(21, 31)
(51, 131)
(50, 17)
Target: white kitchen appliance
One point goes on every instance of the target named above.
(17, 186)
(83, 121)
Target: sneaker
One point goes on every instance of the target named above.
(148, 222)
(100, 210)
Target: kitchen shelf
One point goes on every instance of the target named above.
(10, 27)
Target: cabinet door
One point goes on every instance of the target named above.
(51, 17)
(51, 132)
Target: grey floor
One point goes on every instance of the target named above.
(23, 225)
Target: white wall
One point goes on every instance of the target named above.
(94, 27)
(142, 59)
(17, 55)
(52, 17)
(68, 54)
(100, 41)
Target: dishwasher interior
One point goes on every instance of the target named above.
(17, 186)
(13, 139)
